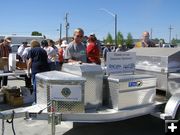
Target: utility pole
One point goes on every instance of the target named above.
(170, 29)
(66, 26)
(60, 31)
(151, 33)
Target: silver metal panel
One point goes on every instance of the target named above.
(94, 81)
(59, 77)
(157, 59)
(172, 106)
(131, 90)
(162, 78)
(173, 84)
(168, 82)
(47, 79)
(159, 62)
(103, 115)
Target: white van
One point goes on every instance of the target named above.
(166, 46)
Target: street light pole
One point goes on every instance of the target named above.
(170, 29)
(60, 31)
(115, 29)
(115, 23)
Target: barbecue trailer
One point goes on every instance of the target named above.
(90, 93)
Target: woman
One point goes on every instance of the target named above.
(37, 62)
(93, 53)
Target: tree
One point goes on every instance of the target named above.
(129, 41)
(174, 42)
(36, 33)
(156, 40)
(109, 39)
(161, 41)
(120, 38)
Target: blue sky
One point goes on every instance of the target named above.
(21, 17)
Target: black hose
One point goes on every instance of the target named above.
(49, 104)
(12, 122)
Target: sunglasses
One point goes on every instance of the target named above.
(79, 36)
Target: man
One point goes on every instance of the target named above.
(105, 51)
(4, 54)
(21, 50)
(76, 50)
(145, 41)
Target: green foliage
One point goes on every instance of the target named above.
(174, 41)
(120, 38)
(156, 40)
(161, 41)
(129, 41)
(36, 33)
(109, 39)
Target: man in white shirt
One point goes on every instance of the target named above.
(21, 49)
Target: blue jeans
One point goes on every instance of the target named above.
(54, 66)
(34, 86)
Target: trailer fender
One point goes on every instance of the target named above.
(171, 108)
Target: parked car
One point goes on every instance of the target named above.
(166, 45)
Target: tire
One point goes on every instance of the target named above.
(177, 117)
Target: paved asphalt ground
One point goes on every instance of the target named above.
(144, 125)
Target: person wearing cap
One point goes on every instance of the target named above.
(61, 52)
(76, 50)
(5, 49)
(92, 50)
(98, 43)
(37, 62)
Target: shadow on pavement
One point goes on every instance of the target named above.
(145, 125)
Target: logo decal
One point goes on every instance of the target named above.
(135, 84)
(66, 92)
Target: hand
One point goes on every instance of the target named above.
(79, 62)
(28, 74)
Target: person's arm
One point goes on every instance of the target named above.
(74, 61)
(29, 64)
(68, 56)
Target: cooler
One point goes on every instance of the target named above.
(94, 82)
(131, 90)
(65, 89)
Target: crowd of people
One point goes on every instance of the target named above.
(46, 56)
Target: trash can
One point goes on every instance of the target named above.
(65, 89)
